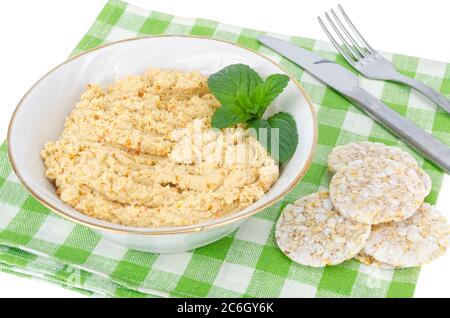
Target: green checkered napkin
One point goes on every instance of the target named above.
(34, 242)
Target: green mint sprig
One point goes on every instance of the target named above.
(244, 97)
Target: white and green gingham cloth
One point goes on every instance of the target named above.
(36, 243)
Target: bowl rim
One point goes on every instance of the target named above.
(168, 230)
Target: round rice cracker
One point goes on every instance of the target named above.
(341, 156)
(312, 233)
(366, 259)
(413, 242)
(374, 191)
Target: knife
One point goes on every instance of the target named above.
(346, 83)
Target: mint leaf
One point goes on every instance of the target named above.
(244, 102)
(245, 97)
(264, 94)
(288, 136)
(227, 116)
(257, 124)
(232, 80)
(240, 85)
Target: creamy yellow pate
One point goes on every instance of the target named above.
(142, 153)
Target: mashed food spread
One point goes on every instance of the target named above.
(142, 153)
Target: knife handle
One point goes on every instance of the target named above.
(423, 142)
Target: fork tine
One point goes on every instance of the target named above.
(335, 43)
(343, 39)
(361, 38)
(357, 46)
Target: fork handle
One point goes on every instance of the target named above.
(416, 137)
(424, 89)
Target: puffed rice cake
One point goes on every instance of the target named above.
(340, 157)
(312, 233)
(413, 242)
(376, 191)
(365, 259)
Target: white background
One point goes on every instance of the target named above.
(37, 35)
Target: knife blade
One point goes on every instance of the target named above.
(347, 83)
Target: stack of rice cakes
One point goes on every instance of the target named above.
(374, 212)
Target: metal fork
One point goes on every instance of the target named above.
(368, 61)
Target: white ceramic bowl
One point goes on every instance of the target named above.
(41, 113)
